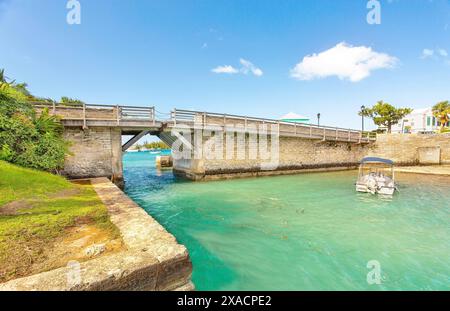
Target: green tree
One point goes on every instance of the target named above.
(11, 88)
(384, 114)
(441, 111)
(70, 101)
(156, 145)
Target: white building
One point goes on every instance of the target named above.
(419, 121)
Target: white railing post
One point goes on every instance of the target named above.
(174, 116)
(84, 117)
(118, 114)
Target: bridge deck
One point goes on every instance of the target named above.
(134, 120)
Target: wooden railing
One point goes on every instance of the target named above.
(91, 112)
(312, 131)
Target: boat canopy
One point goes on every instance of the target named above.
(377, 160)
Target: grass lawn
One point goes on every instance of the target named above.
(38, 214)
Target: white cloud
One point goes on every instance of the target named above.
(246, 68)
(344, 61)
(442, 52)
(437, 54)
(225, 69)
(427, 53)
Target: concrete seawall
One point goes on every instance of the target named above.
(413, 149)
(300, 155)
(296, 155)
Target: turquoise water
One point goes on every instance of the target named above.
(302, 232)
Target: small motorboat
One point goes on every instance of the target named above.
(376, 176)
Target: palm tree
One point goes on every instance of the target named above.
(441, 111)
(46, 123)
(4, 79)
(2, 76)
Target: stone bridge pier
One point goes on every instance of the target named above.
(95, 152)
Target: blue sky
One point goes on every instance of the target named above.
(163, 53)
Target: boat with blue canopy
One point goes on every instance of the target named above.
(376, 176)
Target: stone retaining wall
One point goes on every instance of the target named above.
(412, 149)
(153, 259)
(295, 155)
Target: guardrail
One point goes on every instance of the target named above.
(95, 112)
(312, 131)
(118, 114)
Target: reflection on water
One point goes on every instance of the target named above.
(303, 232)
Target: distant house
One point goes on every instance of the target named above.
(419, 121)
(293, 117)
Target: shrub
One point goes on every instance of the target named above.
(30, 140)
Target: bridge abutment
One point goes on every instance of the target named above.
(94, 152)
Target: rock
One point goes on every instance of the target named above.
(95, 250)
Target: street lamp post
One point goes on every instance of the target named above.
(362, 118)
(318, 119)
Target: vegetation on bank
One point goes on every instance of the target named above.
(45, 221)
(151, 146)
(28, 139)
(442, 111)
(386, 115)
(37, 210)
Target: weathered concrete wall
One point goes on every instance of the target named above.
(95, 152)
(295, 155)
(411, 149)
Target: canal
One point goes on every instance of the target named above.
(300, 232)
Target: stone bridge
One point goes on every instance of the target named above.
(95, 133)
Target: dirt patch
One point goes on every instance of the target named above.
(65, 193)
(81, 181)
(80, 242)
(12, 208)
